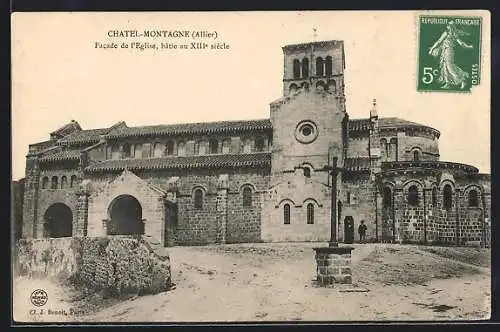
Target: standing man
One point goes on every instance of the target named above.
(362, 232)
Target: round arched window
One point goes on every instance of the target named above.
(306, 132)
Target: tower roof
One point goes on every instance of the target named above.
(324, 43)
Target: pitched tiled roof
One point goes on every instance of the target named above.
(357, 164)
(397, 122)
(206, 161)
(67, 128)
(40, 146)
(119, 131)
(85, 136)
(191, 128)
(43, 145)
(364, 124)
(61, 155)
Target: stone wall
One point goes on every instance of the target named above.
(30, 199)
(429, 221)
(17, 194)
(197, 226)
(274, 229)
(406, 143)
(462, 224)
(243, 222)
(297, 191)
(45, 197)
(116, 264)
(200, 226)
(446, 221)
(472, 226)
(425, 144)
(321, 109)
(193, 226)
(224, 219)
(333, 266)
(484, 180)
(291, 151)
(334, 50)
(358, 200)
(409, 218)
(48, 197)
(66, 169)
(102, 194)
(358, 147)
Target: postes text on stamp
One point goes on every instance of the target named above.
(449, 56)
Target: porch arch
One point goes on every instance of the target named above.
(125, 216)
(58, 221)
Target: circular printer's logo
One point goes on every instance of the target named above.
(39, 297)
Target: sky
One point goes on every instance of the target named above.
(58, 75)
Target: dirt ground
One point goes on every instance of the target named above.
(275, 282)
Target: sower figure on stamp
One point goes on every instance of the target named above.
(362, 232)
(450, 74)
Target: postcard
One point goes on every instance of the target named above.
(215, 167)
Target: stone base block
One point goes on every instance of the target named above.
(333, 265)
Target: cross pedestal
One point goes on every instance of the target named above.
(333, 265)
(333, 262)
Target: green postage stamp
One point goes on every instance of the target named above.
(449, 56)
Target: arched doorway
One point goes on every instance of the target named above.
(58, 221)
(125, 216)
(349, 230)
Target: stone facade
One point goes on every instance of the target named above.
(259, 180)
(451, 204)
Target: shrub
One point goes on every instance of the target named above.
(116, 265)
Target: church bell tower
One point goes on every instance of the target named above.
(309, 120)
(314, 65)
(309, 139)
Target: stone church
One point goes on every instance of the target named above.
(277, 179)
